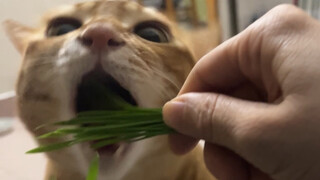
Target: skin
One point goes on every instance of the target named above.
(255, 101)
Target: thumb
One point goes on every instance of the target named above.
(216, 118)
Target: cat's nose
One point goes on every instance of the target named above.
(100, 36)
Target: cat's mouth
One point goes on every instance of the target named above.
(91, 96)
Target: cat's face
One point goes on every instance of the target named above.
(136, 49)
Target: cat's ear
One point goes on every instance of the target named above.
(18, 34)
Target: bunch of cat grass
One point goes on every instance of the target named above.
(107, 127)
(125, 123)
(120, 122)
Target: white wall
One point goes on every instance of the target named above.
(27, 12)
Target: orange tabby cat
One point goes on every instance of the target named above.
(129, 48)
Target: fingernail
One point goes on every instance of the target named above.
(173, 112)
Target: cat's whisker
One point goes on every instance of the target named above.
(41, 64)
(168, 80)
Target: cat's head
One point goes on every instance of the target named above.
(134, 49)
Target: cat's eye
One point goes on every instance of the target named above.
(152, 31)
(61, 26)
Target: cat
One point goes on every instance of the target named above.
(140, 54)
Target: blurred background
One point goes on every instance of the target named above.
(206, 23)
(217, 20)
(222, 18)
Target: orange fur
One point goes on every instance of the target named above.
(153, 73)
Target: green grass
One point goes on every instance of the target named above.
(107, 127)
(93, 169)
(119, 122)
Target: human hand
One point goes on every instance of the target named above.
(255, 101)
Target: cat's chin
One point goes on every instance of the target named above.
(110, 155)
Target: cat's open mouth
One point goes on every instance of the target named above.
(91, 96)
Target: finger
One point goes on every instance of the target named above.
(181, 144)
(213, 117)
(225, 164)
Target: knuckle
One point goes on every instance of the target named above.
(206, 116)
(279, 26)
(285, 17)
(280, 20)
(289, 14)
(285, 8)
(216, 118)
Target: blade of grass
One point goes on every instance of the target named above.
(93, 169)
(52, 147)
(58, 133)
(122, 111)
(105, 118)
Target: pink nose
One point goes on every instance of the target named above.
(100, 36)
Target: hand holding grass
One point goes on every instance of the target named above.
(255, 101)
